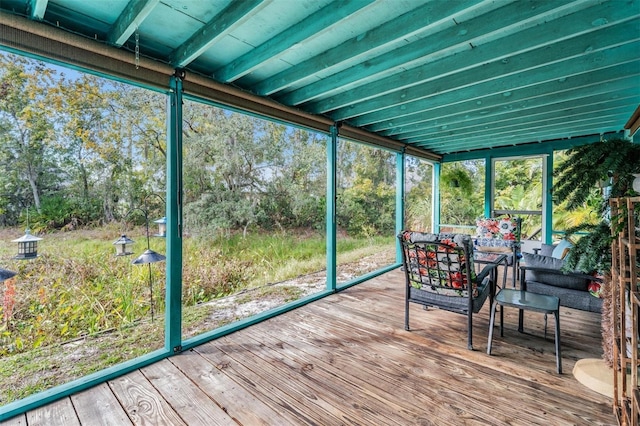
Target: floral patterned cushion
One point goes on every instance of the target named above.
(437, 268)
(497, 233)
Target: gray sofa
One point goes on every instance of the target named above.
(542, 274)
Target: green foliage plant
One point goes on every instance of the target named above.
(577, 179)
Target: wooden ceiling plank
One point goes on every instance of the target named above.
(129, 20)
(525, 135)
(534, 148)
(549, 92)
(450, 41)
(501, 118)
(484, 63)
(619, 109)
(310, 27)
(559, 71)
(221, 24)
(389, 33)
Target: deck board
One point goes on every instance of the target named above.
(347, 360)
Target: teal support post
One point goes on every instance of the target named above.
(488, 186)
(547, 200)
(437, 167)
(173, 311)
(400, 180)
(332, 153)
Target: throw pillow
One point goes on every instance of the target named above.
(561, 249)
(558, 279)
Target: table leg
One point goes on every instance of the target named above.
(521, 321)
(558, 354)
(491, 322)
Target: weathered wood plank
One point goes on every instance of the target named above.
(99, 406)
(236, 401)
(60, 412)
(468, 375)
(192, 404)
(282, 389)
(143, 404)
(347, 360)
(19, 420)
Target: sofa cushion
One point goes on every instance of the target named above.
(556, 280)
(569, 298)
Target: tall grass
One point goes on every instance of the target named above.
(78, 308)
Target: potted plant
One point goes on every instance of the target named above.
(610, 166)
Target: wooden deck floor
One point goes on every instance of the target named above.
(347, 360)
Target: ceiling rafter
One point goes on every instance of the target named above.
(491, 61)
(38, 9)
(129, 20)
(524, 122)
(598, 125)
(590, 103)
(399, 29)
(220, 25)
(533, 95)
(311, 26)
(555, 62)
(448, 43)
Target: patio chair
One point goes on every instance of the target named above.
(501, 235)
(439, 273)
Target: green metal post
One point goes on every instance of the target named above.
(173, 312)
(547, 200)
(437, 167)
(332, 150)
(488, 186)
(400, 181)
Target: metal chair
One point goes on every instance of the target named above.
(439, 272)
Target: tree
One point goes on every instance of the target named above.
(27, 136)
(585, 166)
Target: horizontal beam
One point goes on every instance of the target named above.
(536, 148)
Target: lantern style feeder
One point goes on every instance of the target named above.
(27, 246)
(123, 245)
(162, 227)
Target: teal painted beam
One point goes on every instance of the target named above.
(529, 149)
(431, 17)
(437, 170)
(445, 109)
(319, 21)
(173, 298)
(488, 186)
(619, 102)
(332, 235)
(527, 131)
(216, 28)
(130, 19)
(384, 37)
(400, 196)
(489, 73)
(450, 41)
(552, 132)
(50, 395)
(37, 9)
